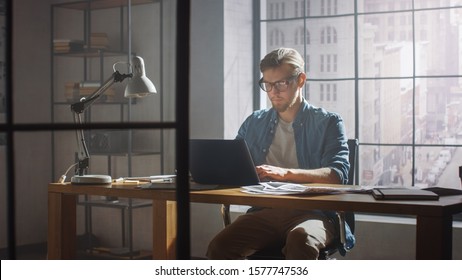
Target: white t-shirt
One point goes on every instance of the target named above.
(282, 151)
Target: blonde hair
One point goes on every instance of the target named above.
(281, 56)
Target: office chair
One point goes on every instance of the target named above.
(460, 175)
(275, 252)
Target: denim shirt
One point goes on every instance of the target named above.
(320, 141)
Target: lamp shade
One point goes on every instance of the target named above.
(139, 85)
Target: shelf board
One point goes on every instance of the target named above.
(116, 203)
(121, 154)
(98, 102)
(101, 4)
(91, 53)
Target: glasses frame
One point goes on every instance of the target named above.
(282, 83)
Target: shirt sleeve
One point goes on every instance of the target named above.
(336, 152)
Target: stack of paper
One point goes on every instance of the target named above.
(151, 179)
(282, 188)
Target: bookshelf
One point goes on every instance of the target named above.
(88, 38)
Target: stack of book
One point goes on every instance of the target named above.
(71, 91)
(99, 41)
(76, 90)
(67, 45)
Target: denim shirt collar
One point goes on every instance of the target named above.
(299, 117)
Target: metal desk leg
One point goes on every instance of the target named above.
(89, 223)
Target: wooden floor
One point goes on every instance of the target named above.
(27, 252)
(39, 252)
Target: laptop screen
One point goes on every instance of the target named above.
(222, 162)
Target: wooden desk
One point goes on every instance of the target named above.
(434, 218)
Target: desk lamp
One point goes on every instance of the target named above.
(138, 86)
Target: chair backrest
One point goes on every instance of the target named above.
(353, 147)
(460, 173)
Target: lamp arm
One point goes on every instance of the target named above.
(85, 102)
(82, 154)
(79, 107)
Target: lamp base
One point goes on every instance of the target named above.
(91, 179)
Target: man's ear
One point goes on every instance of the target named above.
(301, 79)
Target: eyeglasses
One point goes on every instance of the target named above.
(281, 85)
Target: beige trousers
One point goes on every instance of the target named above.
(300, 234)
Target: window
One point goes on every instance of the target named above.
(302, 37)
(283, 10)
(329, 35)
(423, 19)
(328, 93)
(308, 8)
(276, 10)
(299, 8)
(408, 91)
(334, 63)
(276, 38)
(402, 19)
(307, 92)
(334, 92)
(328, 63)
(402, 35)
(329, 7)
(391, 21)
(307, 63)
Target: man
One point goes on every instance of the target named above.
(292, 142)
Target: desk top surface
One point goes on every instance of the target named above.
(340, 202)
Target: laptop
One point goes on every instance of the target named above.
(221, 162)
(217, 164)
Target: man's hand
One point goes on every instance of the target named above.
(271, 173)
(302, 176)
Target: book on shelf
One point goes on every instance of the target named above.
(67, 45)
(71, 91)
(76, 90)
(87, 84)
(99, 40)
